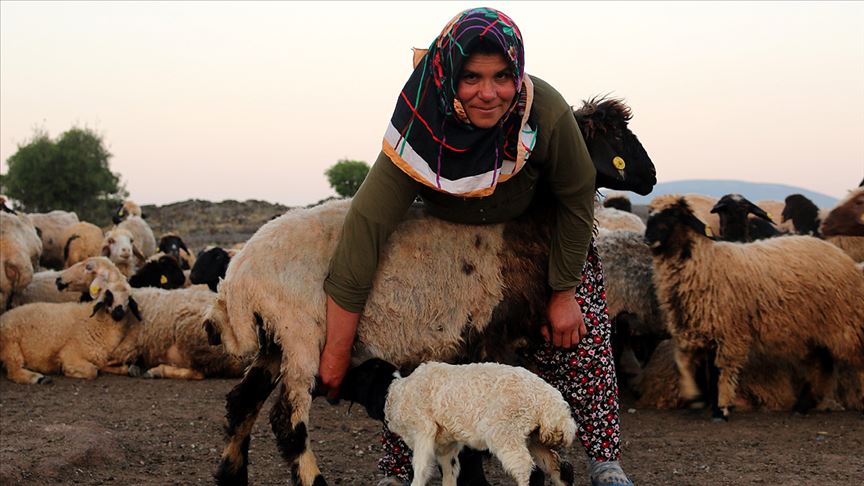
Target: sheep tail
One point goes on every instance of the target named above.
(556, 430)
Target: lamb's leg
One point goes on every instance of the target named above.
(13, 359)
(423, 459)
(243, 404)
(173, 372)
(551, 464)
(290, 415)
(514, 456)
(448, 457)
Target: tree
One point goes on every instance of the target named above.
(346, 176)
(70, 173)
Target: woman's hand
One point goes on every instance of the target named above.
(336, 355)
(566, 324)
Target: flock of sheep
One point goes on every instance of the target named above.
(715, 301)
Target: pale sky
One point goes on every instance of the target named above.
(241, 101)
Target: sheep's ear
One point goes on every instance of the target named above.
(133, 308)
(106, 251)
(757, 211)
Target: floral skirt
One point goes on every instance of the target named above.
(585, 376)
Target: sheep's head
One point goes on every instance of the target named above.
(163, 272)
(119, 246)
(367, 384)
(620, 159)
(112, 294)
(733, 210)
(670, 222)
(210, 267)
(128, 208)
(803, 213)
(171, 244)
(847, 218)
(78, 277)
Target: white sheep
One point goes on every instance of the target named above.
(51, 226)
(43, 288)
(440, 408)
(141, 233)
(20, 249)
(73, 338)
(786, 296)
(120, 247)
(82, 240)
(611, 219)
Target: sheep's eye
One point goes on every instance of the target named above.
(88, 267)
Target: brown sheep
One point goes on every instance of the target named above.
(82, 241)
(51, 226)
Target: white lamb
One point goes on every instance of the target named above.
(441, 408)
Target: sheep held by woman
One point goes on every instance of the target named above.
(789, 296)
(51, 227)
(75, 339)
(170, 342)
(440, 408)
(470, 293)
(82, 240)
(20, 248)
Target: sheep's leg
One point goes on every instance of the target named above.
(515, 458)
(173, 372)
(550, 463)
(821, 380)
(288, 419)
(122, 370)
(685, 360)
(13, 359)
(243, 404)
(471, 468)
(448, 457)
(78, 368)
(727, 384)
(423, 459)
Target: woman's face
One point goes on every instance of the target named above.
(486, 88)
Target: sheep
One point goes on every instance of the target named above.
(163, 272)
(788, 296)
(127, 208)
(611, 219)
(82, 240)
(734, 223)
(441, 408)
(20, 249)
(803, 214)
(210, 267)
(51, 226)
(43, 288)
(843, 226)
(73, 338)
(142, 234)
(272, 302)
(120, 247)
(618, 201)
(170, 343)
(173, 245)
(701, 206)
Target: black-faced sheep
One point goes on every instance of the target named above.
(803, 214)
(735, 225)
(210, 267)
(788, 296)
(73, 338)
(82, 241)
(495, 293)
(20, 249)
(170, 342)
(127, 208)
(164, 273)
(440, 408)
(618, 201)
(173, 245)
(51, 226)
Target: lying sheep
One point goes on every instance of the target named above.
(210, 267)
(51, 226)
(82, 240)
(788, 296)
(441, 408)
(162, 272)
(120, 247)
(173, 245)
(170, 343)
(141, 233)
(20, 249)
(73, 338)
(43, 288)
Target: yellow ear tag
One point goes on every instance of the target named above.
(94, 290)
(618, 162)
(163, 280)
(120, 213)
(708, 232)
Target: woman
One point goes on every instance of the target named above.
(472, 135)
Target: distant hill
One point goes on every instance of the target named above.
(751, 190)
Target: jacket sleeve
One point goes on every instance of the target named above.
(377, 208)
(571, 179)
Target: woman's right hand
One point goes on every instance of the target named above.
(336, 355)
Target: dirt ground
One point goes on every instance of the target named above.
(117, 430)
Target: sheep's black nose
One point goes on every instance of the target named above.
(118, 313)
(61, 285)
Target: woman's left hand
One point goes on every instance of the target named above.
(566, 325)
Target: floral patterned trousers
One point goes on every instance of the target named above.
(585, 376)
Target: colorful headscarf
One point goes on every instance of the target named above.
(430, 138)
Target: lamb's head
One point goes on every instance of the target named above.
(733, 210)
(368, 384)
(620, 159)
(112, 294)
(670, 226)
(78, 277)
(119, 246)
(126, 209)
(847, 218)
(803, 213)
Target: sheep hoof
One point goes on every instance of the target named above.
(148, 375)
(44, 380)
(135, 371)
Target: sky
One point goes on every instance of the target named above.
(231, 100)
